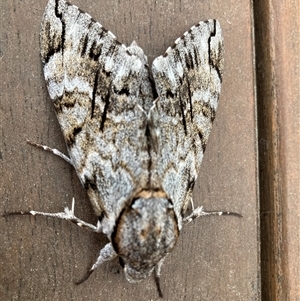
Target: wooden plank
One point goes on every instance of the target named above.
(278, 89)
(215, 258)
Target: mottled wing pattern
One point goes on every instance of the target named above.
(188, 82)
(100, 89)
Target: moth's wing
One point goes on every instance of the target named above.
(188, 82)
(100, 89)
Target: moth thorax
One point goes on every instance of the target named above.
(146, 231)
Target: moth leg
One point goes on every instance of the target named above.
(192, 204)
(51, 150)
(200, 212)
(106, 254)
(66, 215)
(157, 276)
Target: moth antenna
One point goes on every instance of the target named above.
(85, 277)
(157, 276)
(157, 282)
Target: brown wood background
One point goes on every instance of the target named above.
(277, 31)
(215, 258)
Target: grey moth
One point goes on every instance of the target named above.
(135, 135)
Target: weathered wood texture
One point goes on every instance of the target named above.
(216, 258)
(277, 31)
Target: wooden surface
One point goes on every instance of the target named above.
(277, 29)
(216, 258)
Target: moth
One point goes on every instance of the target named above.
(135, 135)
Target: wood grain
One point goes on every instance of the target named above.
(216, 258)
(277, 29)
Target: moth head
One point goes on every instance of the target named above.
(146, 232)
